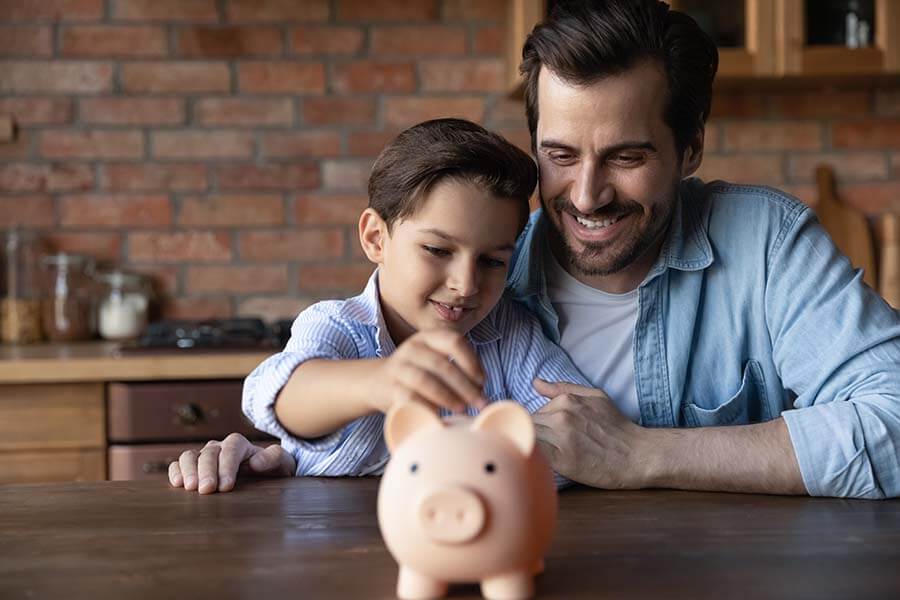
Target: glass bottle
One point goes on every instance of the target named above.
(68, 309)
(20, 307)
(123, 305)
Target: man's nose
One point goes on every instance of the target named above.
(592, 189)
(463, 278)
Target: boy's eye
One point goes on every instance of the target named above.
(493, 263)
(435, 251)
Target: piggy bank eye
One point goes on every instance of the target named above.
(489, 468)
(413, 467)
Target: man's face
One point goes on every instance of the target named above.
(609, 173)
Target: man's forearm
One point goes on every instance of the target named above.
(748, 458)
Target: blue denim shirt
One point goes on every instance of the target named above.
(751, 312)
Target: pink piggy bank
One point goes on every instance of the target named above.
(465, 500)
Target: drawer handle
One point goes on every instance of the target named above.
(188, 414)
(155, 467)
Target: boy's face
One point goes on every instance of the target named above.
(444, 266)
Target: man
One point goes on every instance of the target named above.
(739, 349)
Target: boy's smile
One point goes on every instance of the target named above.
(444, 266)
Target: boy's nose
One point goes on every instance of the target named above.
(463, 280)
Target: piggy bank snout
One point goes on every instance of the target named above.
(451, 515)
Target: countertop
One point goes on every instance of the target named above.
(102, 361)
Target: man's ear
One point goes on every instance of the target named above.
(693, 155)
(372, 234)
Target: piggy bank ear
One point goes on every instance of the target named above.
(404, 419)
(509, 420)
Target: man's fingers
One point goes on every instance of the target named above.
(208, 469)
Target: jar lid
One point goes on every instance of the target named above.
(62, 259)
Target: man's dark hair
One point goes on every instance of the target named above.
(430, 152)
(584, 41)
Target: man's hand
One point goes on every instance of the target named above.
(585, 437)
(436, 367)
(215, 467)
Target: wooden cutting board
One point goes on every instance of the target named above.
(890, 260)
(846, 226)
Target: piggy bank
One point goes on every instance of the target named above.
(465, 500)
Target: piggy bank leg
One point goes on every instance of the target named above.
(415, 586)
(509, 586)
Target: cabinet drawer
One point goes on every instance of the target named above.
(176, 411)
(52, 466)
(51, 416)
(151, 461)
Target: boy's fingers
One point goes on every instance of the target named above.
(208, 469)
(273, 460)
(465, 391)
(187, 464)
(454, 345)
(430, 387)
(235, 449)
(175, 478)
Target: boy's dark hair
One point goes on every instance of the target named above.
(430, 152)
(583, 41)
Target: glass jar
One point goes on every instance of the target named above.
(124, 303)
(68, 313)
(20, 306)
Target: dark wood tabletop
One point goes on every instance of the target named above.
(318, 538)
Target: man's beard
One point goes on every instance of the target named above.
(599, 259)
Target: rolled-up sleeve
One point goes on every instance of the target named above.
(837, 346)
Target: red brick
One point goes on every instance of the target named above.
(418, 40)
(808, 194)
(478, 75)
(386, 10)
(736, 105)
(869, 133)
(113, 41)
(29, 211)
(30, 177)
(26, 41)
(873, 198)
(102, 246)
(20, 147)
(821, 104)
(855, 166)
(163, 77)
(229, 41)
(302, 144)
(237, 279)
(273, 308)
(370, 76)
(895, 163)
(37, 111)
(369, 143)
(346, 174)
(55, 77)
(165, 10)
(887, 103)
(475, 10)
(517, 136)
(281, 77)
(216, 307)
(346, 279)
(91, 144)
(742, 168)
(132, 111)
(490, 40)
(149, 177)
(202, 144)
(508, 111)
(326, 40)
(278, 10)
(232, 209)
(338, 111)
(772, 135)
(99, 210)
(244, 111)
(296, 245)
(164, 279)
(270, 177)
(408, 110)
(55, 10)
(199, 246)
(329, 210)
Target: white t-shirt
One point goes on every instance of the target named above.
(597, 331)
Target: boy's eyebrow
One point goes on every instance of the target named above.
(450, 238)
(626, 145)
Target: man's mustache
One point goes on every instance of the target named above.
(616, 208)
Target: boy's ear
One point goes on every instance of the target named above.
(372, 234)
(693, 155)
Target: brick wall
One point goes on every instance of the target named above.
(222, 146)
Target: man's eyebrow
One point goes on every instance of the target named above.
(450, 238)
(626, 145)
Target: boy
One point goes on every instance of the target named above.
(447, 200)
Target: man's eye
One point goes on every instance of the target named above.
(435, 251)
(561, 158)
(629, 159)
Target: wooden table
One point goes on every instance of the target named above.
(318, 538)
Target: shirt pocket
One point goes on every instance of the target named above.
(748, 405)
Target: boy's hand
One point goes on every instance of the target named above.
(437, 367)
(215, 467)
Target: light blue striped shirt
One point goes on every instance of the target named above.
(509, 342)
